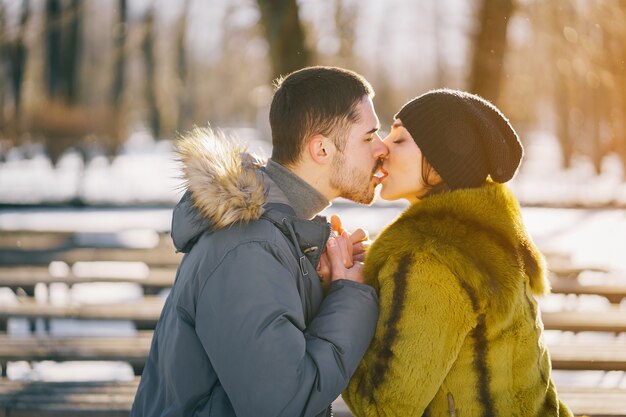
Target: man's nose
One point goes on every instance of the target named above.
(380, 149)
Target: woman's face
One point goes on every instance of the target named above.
(402, 168)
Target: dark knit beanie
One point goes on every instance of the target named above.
(463, 136)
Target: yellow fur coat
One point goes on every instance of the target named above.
(459, 332)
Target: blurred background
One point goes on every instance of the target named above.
(93, 92)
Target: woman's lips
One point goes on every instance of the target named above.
(380, 174)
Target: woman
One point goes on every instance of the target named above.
(459, 332)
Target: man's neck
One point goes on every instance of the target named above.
(303, 197)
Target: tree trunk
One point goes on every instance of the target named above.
(564, 98)
(564, 133)
(489, 48)
(620, 70)
(119, 52)
(439, 18)
(620, 131)
(18, 59)
(151, 97)
(54, 62)
(346, 16)
(285, 35)
(184, 107)
(4, 61)
(71, 54)
(117, 88)
(63, 50)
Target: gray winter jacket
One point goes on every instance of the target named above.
(246, 329)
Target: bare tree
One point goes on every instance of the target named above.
(489, 47)
(17, 59)
(147, 47)
(182, 66)
(563, 97)
(598, 90)
(54, 59)
(63, 50)
(4, 52)
(285, 35)
(63, 123)
(438, 21)
(119, 51)
(616, 54)
(71, 53)
(346, 13)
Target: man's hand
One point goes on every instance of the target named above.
(336, 247)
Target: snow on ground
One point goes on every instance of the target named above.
(146, 172)
(542, 181)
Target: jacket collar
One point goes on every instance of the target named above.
(461, 218)
(305, 200)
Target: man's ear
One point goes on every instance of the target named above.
(321, 149)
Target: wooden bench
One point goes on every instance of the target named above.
(609, 355)
(131, 349)
(147, 311)
(594, 401)
(612, 320)
(614, 292)
(144, 313)
(41, 248)
(151, 257)
(114, 399)
(163, 277)
(27, 265)
(29, 276)
(598, 355)
(566, 270)
(35, 239)
(67, 399)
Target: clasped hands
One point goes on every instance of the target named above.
(344, 254)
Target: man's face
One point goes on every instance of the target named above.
(353, 168)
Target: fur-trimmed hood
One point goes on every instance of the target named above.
(228, 186)
(224, 183)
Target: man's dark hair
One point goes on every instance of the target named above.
(311, 101)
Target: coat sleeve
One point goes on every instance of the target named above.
(250, 322)
(425, 316)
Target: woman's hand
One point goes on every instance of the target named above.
(336, 248)
(358, 240)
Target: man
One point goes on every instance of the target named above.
(247, 329)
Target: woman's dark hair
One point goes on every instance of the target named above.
(431, 189)
(310, 101)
